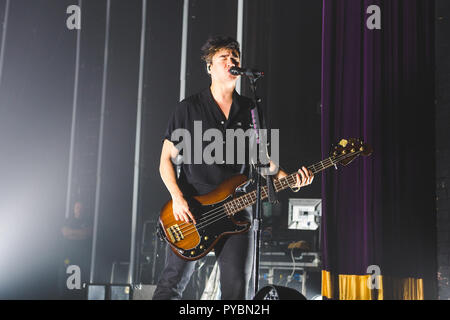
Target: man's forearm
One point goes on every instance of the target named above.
(280, 173)
(167, 173)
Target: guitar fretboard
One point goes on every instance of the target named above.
(238, 204)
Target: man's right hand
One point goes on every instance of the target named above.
(181, 210)
(180, 206)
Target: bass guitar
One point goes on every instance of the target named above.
(215, 211)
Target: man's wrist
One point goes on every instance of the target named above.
(281, 174)
(177, 195)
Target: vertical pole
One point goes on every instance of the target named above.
(240, 36)
(184, 38)
(137, 148)
(74, 121)
(100, 141)
(5, 28)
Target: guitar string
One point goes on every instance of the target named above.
(216, 218)
(222, 209)
(289, 177)
(240, 200)
(206, 218)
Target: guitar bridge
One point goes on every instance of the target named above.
(175, 233)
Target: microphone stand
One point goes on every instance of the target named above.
(258, 123)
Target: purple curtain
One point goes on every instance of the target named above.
(378, 85)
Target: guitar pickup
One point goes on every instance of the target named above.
(175, 233)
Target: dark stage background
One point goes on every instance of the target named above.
(41, 81)
(37, 92)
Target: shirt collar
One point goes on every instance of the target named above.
(235, 107)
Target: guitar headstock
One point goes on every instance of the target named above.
(348, 150)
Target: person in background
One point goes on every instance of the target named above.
(77, 235)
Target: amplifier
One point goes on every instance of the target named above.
(109, 292)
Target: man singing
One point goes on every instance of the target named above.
(220, 107)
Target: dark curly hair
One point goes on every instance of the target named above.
(217, 43)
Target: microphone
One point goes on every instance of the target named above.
(236, 71)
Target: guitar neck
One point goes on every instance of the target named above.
(238, 204)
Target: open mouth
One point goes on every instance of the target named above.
(229, 69)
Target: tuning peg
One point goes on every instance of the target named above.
(343, 143)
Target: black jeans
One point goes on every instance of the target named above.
(234, 255)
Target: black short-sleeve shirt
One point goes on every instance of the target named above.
(201, 108)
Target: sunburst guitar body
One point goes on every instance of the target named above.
(214, 216)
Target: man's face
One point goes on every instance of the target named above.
(222, 61)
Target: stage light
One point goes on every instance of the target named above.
(304, 214)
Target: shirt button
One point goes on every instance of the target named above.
(222, 122)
